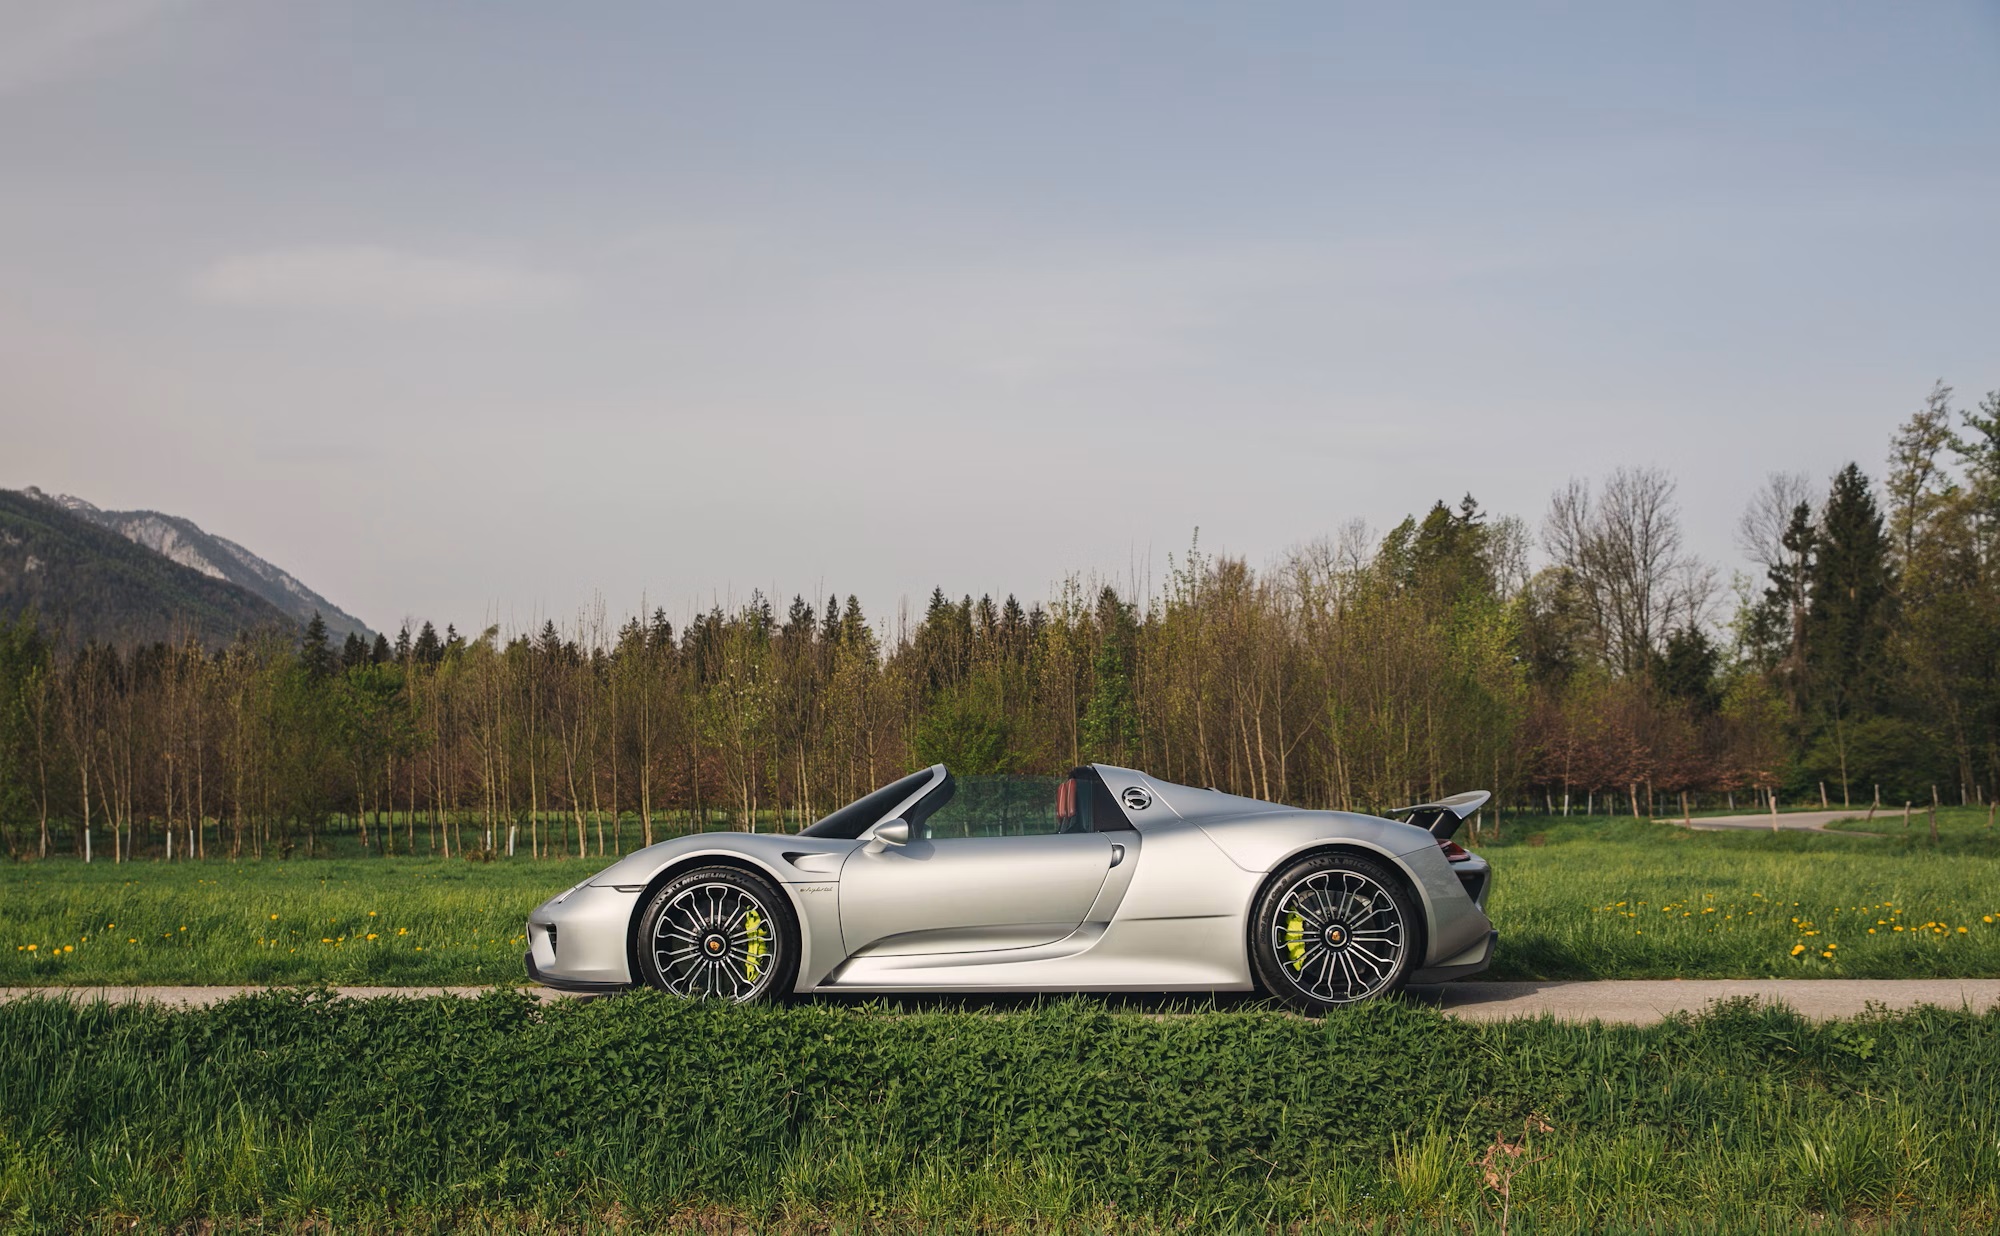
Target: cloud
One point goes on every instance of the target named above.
(371, 280)
(47, 42)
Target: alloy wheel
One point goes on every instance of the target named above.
(715, 939)
(1338, 936)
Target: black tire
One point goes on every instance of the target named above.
(721, 933)
(1334, 929)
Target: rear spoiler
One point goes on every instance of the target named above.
(1443, 817)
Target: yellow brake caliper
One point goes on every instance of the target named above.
(1295, 941)
(753, 926)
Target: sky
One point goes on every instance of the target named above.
(479, 312)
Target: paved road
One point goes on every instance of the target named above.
(1801, 821)
(1631, 1002)
(1644, 1001)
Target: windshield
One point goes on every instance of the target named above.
(855, 818)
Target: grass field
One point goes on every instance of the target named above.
(1577, 898)
(292, 1111)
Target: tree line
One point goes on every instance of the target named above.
(1358, 672)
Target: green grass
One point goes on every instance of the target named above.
(1577, 898)
(432, 921)
(1623, 898)
(294, 1110)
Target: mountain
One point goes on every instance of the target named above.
(183, 541)
(96, 585)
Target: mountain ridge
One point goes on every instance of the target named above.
(187, 544)
(92, 584)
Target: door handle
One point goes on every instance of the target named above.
(1117, 854)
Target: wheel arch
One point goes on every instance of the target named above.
(1359, 849)
(710, 858)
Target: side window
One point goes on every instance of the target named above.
(1007, 806)
(997, 806)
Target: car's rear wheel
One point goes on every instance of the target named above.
(721, 933)
(1334, 929)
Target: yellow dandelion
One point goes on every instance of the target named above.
(33, 947)
(274, 918)
(402, 931)
(132, 940)
(1961, 931)
(69, 948)
(371, 935)
(1797, 949)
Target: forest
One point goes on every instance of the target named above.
(1586, 660)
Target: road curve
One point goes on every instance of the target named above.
(1791, 821)
(1635, 1002)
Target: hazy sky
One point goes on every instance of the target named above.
(468, 310)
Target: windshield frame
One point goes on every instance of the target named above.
(861, 827)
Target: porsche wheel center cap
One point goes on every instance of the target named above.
(1336, 936)
(712, 945)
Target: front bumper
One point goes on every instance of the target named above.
(580, 941)
(580, 986)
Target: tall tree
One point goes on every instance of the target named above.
(1918, 484)
(1847, 644)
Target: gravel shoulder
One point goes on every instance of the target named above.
(1626, 1002)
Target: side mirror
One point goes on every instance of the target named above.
(895, 832)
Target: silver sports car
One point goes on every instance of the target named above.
(1105, 880)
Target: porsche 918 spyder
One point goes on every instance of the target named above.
(1105, 880)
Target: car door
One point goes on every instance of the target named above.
(970, 894)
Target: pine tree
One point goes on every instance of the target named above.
(1782, 621)
(1689, 670)
(380, 652)
(1110, 719)
(1849, 616)
(428, 649)
(1848, 622)
(354, 651)
(314, 654)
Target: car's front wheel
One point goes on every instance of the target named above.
(1333, 929)
(718, 932)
